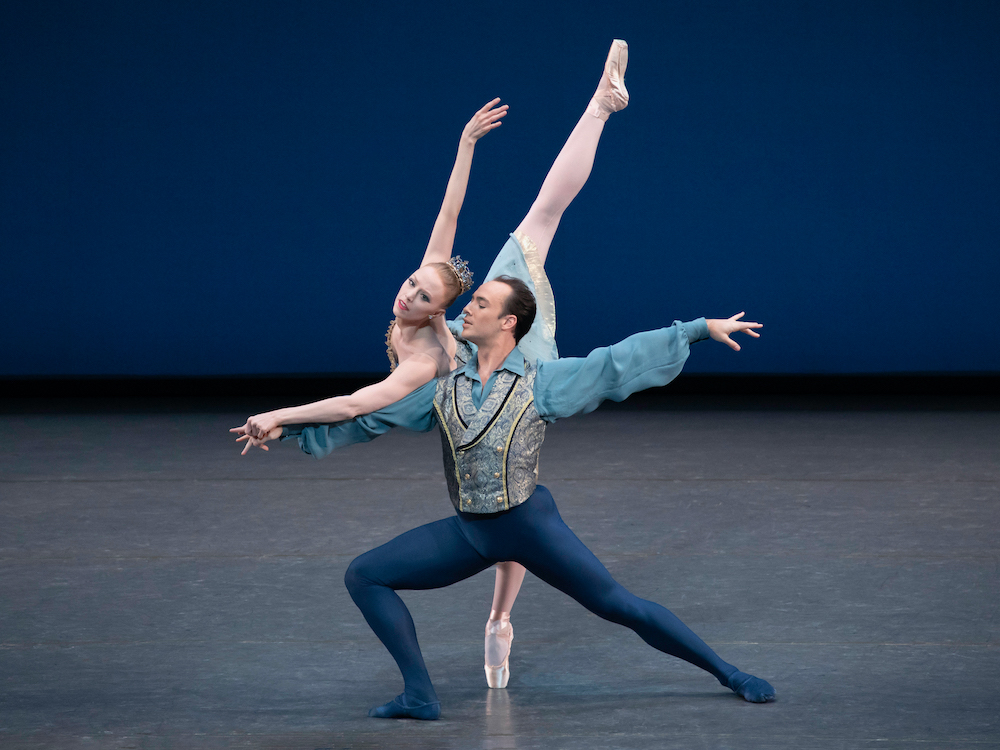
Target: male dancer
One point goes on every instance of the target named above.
(492, 414)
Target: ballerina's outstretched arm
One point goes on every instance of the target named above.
(443, 235)
(412, 373)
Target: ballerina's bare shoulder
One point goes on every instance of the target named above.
(433, 340)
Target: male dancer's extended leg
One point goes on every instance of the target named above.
(428, 557)
(535, 535)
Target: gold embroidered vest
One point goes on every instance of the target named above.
(490, 454)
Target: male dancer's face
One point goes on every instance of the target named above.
(484, 320)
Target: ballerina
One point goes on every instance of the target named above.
(421, 345)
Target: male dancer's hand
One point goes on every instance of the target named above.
(719, 329)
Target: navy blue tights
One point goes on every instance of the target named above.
(533, 534)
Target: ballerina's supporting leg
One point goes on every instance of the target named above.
(499, 631)
(508, 582)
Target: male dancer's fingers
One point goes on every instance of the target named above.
(242, 430)
(729, 342)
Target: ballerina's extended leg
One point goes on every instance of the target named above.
(572, 167)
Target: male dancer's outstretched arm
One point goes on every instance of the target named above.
(563, 387)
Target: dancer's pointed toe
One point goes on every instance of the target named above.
(499, 637)
(398, 708)
(611, 95)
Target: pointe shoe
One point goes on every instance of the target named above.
(611, 95)
(500, 638)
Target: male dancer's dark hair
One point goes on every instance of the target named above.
(520, 303)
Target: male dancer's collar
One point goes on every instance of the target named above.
(514, 363)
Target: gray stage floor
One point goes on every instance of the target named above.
(159, 591)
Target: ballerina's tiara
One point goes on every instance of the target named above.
(461, 270)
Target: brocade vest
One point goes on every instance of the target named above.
(490, 453)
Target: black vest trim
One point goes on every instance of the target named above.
(493, 419)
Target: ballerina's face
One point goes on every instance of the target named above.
(422, 295)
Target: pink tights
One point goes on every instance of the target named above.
(564, 181)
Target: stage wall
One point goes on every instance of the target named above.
(231, 188)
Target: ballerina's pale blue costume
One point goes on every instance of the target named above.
(519, 258)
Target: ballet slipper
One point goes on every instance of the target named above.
(398, 708)
(751, 688)
(499, 637)
(611, 95)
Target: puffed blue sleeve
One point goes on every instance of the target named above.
(577, 385)
(414, 411)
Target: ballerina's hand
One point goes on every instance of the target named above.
(720, 329)
(485, 120)
(260, 425)
(252, 441)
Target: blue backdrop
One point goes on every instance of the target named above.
(193, 188)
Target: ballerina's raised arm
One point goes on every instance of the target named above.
(442, 239)
(418, 339)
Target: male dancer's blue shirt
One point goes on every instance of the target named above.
(563, 387)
